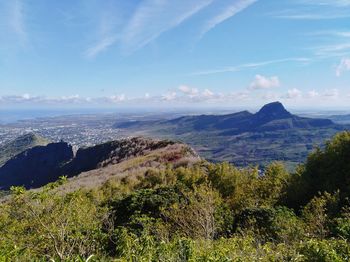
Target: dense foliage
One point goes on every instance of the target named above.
(203, 212)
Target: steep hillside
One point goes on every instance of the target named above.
(36, 166)
(43, 164)
(19, 145)
(136, 166)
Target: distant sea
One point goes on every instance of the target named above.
(14, 115)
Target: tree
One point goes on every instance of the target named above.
(196, 215)
(59, 226)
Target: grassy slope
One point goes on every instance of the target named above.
(176, 154)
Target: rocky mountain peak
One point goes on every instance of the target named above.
(274, 110)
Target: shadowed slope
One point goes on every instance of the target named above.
(19, 145)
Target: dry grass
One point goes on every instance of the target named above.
(173, 154)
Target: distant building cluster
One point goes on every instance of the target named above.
(76, 130)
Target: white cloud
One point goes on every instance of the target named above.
(30, 99)
(343, 66)
(294, 94)
(207, 93)
(263, 82)
(118, 98)
(188, 97)
(26, 96)
(193, 95)
(188, 90)
(225, 13)
(169, 96)
(312, 94)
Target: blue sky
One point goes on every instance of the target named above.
(183, 52)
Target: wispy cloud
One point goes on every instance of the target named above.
(236, 68)
(16, 20)
(332, 33)
(151, 18)
(311, 16)
(100, 46)
(336, 3)
(110, 19)
(227, 11)
(330, 43)
(154, 17)
(332, 50)
(315, 10)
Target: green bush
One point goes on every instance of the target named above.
(325, 251)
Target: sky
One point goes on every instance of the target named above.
(92, 53)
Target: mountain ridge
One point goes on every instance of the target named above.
(272, 116)
(40, 165)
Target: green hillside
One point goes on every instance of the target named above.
(19, 145)
(187, 211)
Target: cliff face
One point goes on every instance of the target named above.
(36, 166)
(43, 164)
(112, 152)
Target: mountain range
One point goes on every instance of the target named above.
(270, 117)
(272, 133)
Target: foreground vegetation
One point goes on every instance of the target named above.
(202, 212)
